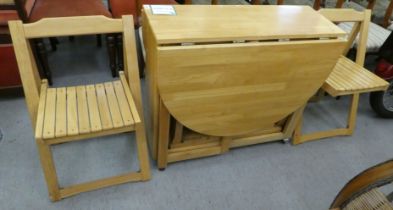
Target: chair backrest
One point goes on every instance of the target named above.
(361, 21)
(66, 26)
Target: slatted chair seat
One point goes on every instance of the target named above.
(376, 36)
(371, 200)
(69, 112)
(348, 77)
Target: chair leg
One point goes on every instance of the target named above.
(299, 138)
(119, 46)
(99, 40)
(141, 61)
(163, 136)
(43, 59)
(53, 43)
(353, 113)
(297, 133)
(143, 154)
(110, 41)
(49, 169)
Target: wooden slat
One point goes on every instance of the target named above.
(347, 80)
(50, 114)
(90, 135)
(72, 26)
(113, 105)
(195, 153)
(72, 114)
(365, 74)
(240, 142)
(92, 185)
(94, 113)
(41, 111)
(177, 137)
(83, 112)
(203, 144)
(320, 135)
(348, 77)
(225, 142)
(123, 103)
(61, 112)
(103, 107)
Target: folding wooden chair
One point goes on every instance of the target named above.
(347, 77)
(67, 114)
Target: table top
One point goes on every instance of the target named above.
(208, 23)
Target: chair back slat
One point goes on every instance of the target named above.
(82, 25)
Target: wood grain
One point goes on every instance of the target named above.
(83, 25)
(261, 23)
(229, 95)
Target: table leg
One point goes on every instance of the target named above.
(163, 137)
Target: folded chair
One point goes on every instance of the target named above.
(347, 77)
(364, 191)
(66, 114)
